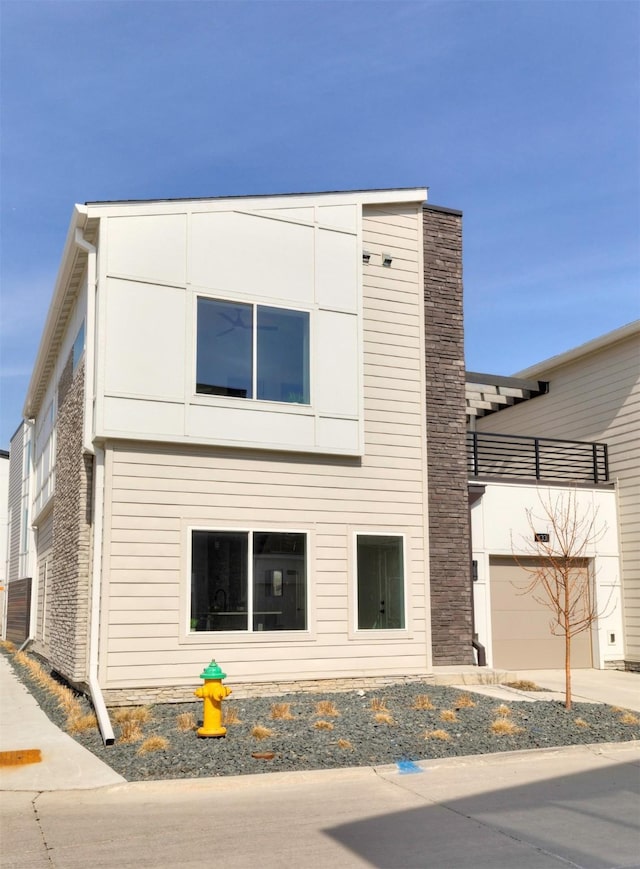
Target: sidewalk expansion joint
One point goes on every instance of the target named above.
(36, 814)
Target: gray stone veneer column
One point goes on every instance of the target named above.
(449, 535)
(69, 602)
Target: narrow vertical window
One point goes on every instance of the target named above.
(380, 582)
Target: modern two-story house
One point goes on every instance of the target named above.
(245, 429)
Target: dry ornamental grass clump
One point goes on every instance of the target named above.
(186, 721)
(580, 722)
(138, 714)
(327, 707)
(505, 727)
(345, 745)
(82, 723)
(153, 743)
(463, 701)
(383, 718)
(448, 715)
(323, 725)
(629, 718)
(260, 732)
(378, 704)
(422, 701)
(8, 646)
(130, 731)
(437, 734)
(523, 685)
(230, 716)
(503, 711)
(281, 711)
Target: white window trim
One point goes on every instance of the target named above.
(254, 304)
(249, 636)
(370, 634)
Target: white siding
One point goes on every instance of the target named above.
(154, 495)
(596, 397)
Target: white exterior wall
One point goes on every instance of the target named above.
(499, 526)
(155, 495)
(596, 397)
(4, 534)
(156, 259)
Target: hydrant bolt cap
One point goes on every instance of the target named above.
(213, 671)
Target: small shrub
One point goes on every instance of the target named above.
(282, 711)
(383, 718)
(505, 727)
(422, 701)
(260, 732)
(153, 743)
(82, 723)
(437, 734)
(186, 721)
(378, 704)
(230, 716)
(503, 711)
(629, 718)
(580, 722)
(448, 715)
(324, 725)
(345, 745)
(327, 707)
(130, 731)
(464, 701)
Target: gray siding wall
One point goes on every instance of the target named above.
(16, 458)
(449, 535)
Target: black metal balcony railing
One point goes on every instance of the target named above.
(502, 455)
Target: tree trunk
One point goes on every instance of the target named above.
(567, 643)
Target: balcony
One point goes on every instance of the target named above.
(545, 459)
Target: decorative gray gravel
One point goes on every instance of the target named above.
(356, 738)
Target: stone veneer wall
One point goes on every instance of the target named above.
(71, 556)
(449, 532)
(173, 694)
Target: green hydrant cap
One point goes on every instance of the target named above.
(213, 671)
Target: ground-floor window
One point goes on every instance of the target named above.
(380, 582)
(248, 581)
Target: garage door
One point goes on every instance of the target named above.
(522, 639)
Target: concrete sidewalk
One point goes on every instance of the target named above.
(545, 809)
(65, 764)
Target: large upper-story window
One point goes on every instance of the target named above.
(252, 351)
(248, 581)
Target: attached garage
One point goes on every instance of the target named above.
(522, 638)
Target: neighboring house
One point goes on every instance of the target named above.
(4, 528)
(593, 395)
(248, 430)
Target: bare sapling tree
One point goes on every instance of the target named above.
(563, 536)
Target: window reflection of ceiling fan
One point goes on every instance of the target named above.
(237, 322)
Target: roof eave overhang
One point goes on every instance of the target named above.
(65, 291)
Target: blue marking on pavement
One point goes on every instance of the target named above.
(408, 766)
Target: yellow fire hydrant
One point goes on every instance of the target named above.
(213, 692)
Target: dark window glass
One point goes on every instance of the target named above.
(283, 355)
(219, 600)
(380, 582)
(225, 349)
(279, 582)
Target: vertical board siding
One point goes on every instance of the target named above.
(44, 547)
(16, 458)
(154, 494)
(596, 398)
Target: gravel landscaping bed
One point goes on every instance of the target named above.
(364, 728)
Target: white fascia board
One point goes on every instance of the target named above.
(260, 203)
(599, 343)
(78, 221)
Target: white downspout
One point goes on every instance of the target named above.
(94, 615)
(98, 492)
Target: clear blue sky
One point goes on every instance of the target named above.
(524, 115)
